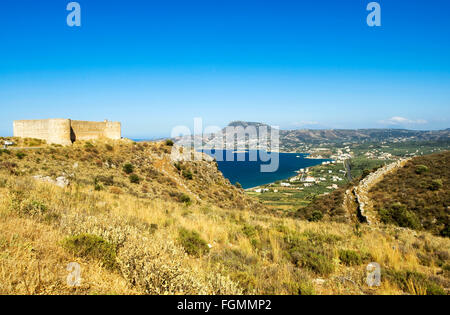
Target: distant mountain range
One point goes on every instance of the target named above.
(292, 139)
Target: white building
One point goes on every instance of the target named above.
(310, 179)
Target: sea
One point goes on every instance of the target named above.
(248, 173)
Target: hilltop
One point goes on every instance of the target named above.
(139, 222)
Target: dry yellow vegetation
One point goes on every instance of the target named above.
(134, 239)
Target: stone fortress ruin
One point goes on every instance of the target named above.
(66, 131)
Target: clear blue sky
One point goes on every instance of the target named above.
(156, 64)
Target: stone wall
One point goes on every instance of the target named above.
(90, 130)
(361, 192)
(66, 131)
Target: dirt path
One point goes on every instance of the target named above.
(360, 194)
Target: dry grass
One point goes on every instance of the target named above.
(251, 252)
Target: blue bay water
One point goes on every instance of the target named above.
(249, 174)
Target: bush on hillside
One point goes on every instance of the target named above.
(399, 215)
(105, 180)
(128, 168)
(316, 216)
(109, 147)
(305, 252)
(249, 230)
(92, 246)
(20, 155)
(350, 257)
(169, 143)
(366, 173)
(420, 169)
(445, 232)
(134, 179)
(192, 243)
(188, 174)
(330, 205)
(436, 185)
(185, 199)
(414, 283)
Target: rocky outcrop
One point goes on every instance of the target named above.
(180, 154)
(59, 181)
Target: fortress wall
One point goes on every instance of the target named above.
(113, 130)
(66, 131)
(88, 130)
(37, 129)
(55, 131)
(59, 131)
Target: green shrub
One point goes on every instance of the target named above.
(153, 228)
(134, 179)
(306, 288)
(436, 185)
(299, 287)
(188, 174)
(316, 216)
(399, 215)
(20, 155)
(178, 166)
(109, 147)
(192, 243)
(92, 246)
(314, 260)
(366, 173)
(105, 180)
(37, 209)
(350, 258)
(246, 280)
(238, 185)
(310, 254)
(128, 168)
(34, 208)
(185, 199)
(321, 238)
(446, 267)
(169, 143)
(445, 232)
(411, 282)
(420, 169)
(249, 231)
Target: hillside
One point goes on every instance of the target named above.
(361, 135)
(417, 196)
(295, 140)
(144, 170)
(350, 135)
(144, 236)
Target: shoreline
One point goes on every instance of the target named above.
(297, 172)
